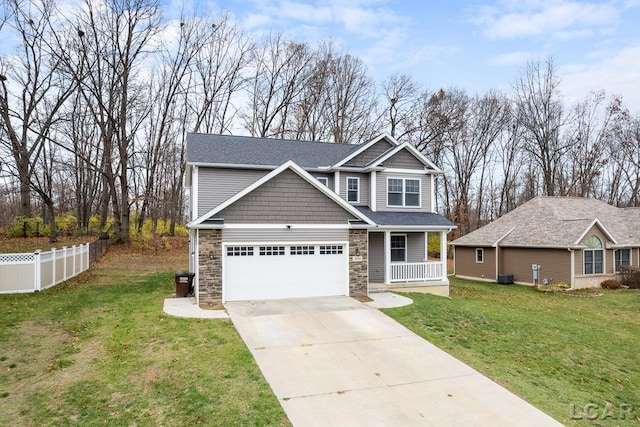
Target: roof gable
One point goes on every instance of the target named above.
(286, 167)
(384, 137)
(405, 148)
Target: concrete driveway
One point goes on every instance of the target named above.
(336, 361)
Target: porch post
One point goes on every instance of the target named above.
(387, 257)
(443, 254)
(426, 246)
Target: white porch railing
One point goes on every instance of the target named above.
(413, 271)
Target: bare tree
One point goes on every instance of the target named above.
(217, 75)
(588, 135)
(541, 116)
(32, 90)
(104, 59)
(279, 76)
(401, 94)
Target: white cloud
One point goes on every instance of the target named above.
(550, 18)
(617, 74)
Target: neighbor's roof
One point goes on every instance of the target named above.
(556, 222)
(425, 219)
(244, 150)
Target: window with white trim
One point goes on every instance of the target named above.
(331, 249)
(403, 192)
(353, 189)
(622, 257)
(323, 180)
(593, 256)
(479, 256)
(239, 250)
(271, 250)
(301, 250)
(398, 248)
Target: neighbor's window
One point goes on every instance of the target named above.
(323, 180)
(623, 257)
(479, 255)
(593, 256)
(353, 189)
(403, 192)
(398, 248)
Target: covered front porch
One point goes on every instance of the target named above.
(407, 259)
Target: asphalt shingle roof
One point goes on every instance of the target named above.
(556, 222)
(242, 150)
(406, 218)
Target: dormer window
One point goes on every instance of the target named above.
(353, 189)
(403, 192)
(323, 180)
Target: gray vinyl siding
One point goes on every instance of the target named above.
(365, 188)
(403, 160)
(256, 235)
(371, 153)
(216, 185)
(381, 189)
(286, 198)
(329, 177)
(376, 257)
(415, 247)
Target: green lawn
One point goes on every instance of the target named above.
(99, 351)
(573, 357)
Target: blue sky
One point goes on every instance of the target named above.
(474, 45)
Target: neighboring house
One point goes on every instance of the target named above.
(274, 218)
(574, 240)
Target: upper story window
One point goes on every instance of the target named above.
(353, 189)
(403, 192)
(622, 257)
(323, 180)
(593, 256)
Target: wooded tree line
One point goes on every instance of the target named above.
(95, 104)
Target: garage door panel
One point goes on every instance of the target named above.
(259, 276)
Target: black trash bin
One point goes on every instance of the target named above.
(184, 284)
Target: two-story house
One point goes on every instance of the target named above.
(274, 218)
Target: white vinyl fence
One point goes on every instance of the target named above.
(32, 272)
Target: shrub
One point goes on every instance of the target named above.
(29, 227)
(630, 276)
(611, 284)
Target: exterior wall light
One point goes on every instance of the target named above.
(211, 255)
(357, 252)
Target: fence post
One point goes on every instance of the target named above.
(73, 270)
(88, 259)
(64, 263)
(36, 271)
(53, 265)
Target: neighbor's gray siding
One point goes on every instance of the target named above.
(286, 198)
(403, 160)
(216, 185)
(381, 189)
(371, 153)
(554, 264)
(365, 188)
(466, 265)
(376, 257)
(257, 235)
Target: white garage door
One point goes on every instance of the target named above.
(272, 270)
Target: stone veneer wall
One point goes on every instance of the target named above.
(209, 271)
(358, 270)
